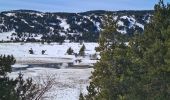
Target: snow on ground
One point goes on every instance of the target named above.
(68, 82)
(40, 14)
(10, 14)
(19, 65)
(132, 22)
(120, 23)
(53, 50)
(98, 26)
(140, 25)
(37, 37)
(115, 17)
(6, 36)
(64, 23)
(55, 53)
(122, 31)
(24, 21)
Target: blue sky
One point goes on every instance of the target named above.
(76, 5)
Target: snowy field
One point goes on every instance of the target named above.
(69, 81)
(55, 53)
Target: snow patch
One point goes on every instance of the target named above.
(140, 25)
(115, 18)
(19, 66)
(68, 82)
(39, 14)
(98, 26)
(53, 24)
(120, 23)
(122, 31)
(6, 36)
(132, 21)
(64, 23)
(10, 14)
(24, 21)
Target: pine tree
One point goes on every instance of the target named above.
(31, 51)
(107, 80)
(26, 89)
(152, 55)
(70, 51)
(139, 70)
(5, 64)
(7, 89)
(14, 89)
(81, 97)
(149, 55)
(82, 50)
(7, 86)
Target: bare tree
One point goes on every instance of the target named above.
(29, 89)
(46, 82)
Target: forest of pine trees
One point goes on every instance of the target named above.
(139, 70)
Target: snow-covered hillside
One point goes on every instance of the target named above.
(35, 26)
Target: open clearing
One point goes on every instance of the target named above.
(69, 81)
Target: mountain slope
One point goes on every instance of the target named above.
(28, 25)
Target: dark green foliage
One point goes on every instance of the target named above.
(5, 64)
(91, 92)
(31, 51)
(43, 52)
(108, 78)
(81, 97)
(90, 37)
(70, 51)
(53, 38)
(139, 70)
(7, 86)
(18, 89)
(48, 41)
(7, 89)
(150, 52)
(26, 89)
(82, 50)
